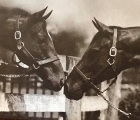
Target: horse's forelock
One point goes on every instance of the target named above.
(5, 13)
(13, 11)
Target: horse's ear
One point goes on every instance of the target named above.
(102, 27)
(94, 23)
(46, 16)
(40, 13)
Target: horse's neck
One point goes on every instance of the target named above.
(6, 55)
(8, 44)
(129, 40)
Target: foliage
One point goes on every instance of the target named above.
(130, 104)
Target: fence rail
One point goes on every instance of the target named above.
(29, 95)
(46, 103)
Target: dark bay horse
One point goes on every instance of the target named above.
(112, 50)
(26, 35)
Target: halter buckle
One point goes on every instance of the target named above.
(17, 35)
(113, 51)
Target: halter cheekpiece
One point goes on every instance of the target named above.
(110, 61)
(36, 63)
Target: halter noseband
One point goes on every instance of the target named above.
(36, 63)
(110, 61)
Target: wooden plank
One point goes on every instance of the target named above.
(114, 95)
(71, 62)
(63, 61)
(14, 102)
(3, 103)
(103, 112)
(33, 103)
(93, 103)
(42, 103)
(48, 103)
(73, 109)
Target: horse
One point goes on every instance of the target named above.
(26, 36)
(111, 50)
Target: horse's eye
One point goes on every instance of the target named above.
(41, 34)
(40, 42)
(93, 52)
(95, 49)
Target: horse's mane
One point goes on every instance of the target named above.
(13, 11)
(124, 28)
(8, 12)
(99, 34)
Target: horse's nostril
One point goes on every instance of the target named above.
(62, 82)
(66, 87)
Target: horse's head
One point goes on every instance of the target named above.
(35, 48)
(112, 50)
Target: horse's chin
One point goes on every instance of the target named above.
(78, 94)
(50, 86)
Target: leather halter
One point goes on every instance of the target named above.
(110, 61)
(36, 63)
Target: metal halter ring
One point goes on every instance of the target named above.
(109, 62)
(113, 51)
(17, 35)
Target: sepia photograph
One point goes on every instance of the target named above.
(69, 60)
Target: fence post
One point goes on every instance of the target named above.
(61, 92)
(73, 107)
(103, 113)
(114, 95)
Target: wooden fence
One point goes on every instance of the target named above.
(47, 101)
